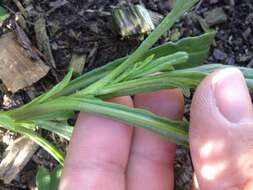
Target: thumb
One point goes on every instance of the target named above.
(221, 132)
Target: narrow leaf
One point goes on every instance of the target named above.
(58, 88)
(55, 90)
(51, 149)
(57, 116)
(172, 79)
(176, 131)
(46, 180)
(6, 121)
(3, 14)
(55, 178)
(60, 128)
(43, 179)
(161, 64)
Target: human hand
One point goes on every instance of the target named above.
(107, 155)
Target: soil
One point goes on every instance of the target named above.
(86, 27)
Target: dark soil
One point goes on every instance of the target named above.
(85, 27)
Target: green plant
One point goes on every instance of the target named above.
(172, 65)
(3, 14)
(46, 180)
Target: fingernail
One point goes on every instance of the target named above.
(231, 95)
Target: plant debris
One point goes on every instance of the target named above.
(24, 41)
(215, 16)
(77, 64)
(17, 70)
(21, 8)
(43, 40)
(133, 20)
(16, 157)
(219, 55)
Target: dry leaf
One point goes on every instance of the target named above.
(43, 40)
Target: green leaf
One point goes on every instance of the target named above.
(135, 68)
(58, 88)
(51, 149)
(207, 69)
(145, 62)
(161, 64)
(3, 14)
(185, 79)
(147, 84)
(9, 124)
(6, 121)
(55, 90)
(247, 72)
(55, 177)
(250, 84)
(196, 47)
(60, 128)
(46, 180)
(170, 80)
(176, 131)
(43, 179)
(57, 116)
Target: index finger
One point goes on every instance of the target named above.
(98, 153)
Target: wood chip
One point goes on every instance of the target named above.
(16, 157)
(56, 5)
(132, 20)
(17, 70)
(155, 17)
(215, 16)
(43, 40)
(21, 8)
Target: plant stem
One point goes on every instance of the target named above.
(176, 131)
(170, 80)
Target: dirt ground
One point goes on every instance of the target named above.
(86, 27)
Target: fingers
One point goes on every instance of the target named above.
(98, 153)
(151, 159)
(221, 132)
(248, 185)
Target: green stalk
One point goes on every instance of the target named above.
(173, 79)
(185, 78)
(181, 7)
(176, 131)
(9, 123)
(165, 63)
